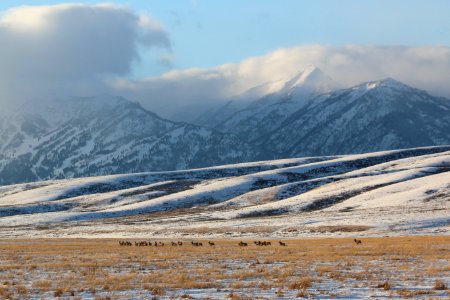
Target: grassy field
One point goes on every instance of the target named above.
(400, 267)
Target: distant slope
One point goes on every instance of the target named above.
(394, 192)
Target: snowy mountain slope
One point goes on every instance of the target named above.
(106, 135)
(401, 189)
(262, 116)
(307, 116)
(370, 117)
(223, 111)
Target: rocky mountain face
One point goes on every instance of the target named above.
(304, 116)
(105, 135)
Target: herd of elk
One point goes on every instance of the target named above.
(145, 243)
(198, 244)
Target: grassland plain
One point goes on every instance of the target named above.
(386, 267)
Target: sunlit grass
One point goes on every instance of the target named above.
(303, 268)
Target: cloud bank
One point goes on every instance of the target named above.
(425, 67)
(77, 49)
(70, 49)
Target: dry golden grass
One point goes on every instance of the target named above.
(100, 268)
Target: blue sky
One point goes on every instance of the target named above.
(211, 33)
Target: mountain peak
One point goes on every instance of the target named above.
(310, 80)
(310, 73)
(388, 82)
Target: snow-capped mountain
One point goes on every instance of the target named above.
(271, 99)
(305, 116)
(309, 116)
(372, 116)
(105, 135)
(260, 117)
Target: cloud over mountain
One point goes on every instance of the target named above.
(81, 50)
(70, 48)
(425, 67)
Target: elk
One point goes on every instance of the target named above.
(180, 243)
(174, 244)
(357, 242)
(242, 244)
(281, 243)
(211, 243)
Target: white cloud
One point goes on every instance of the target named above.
(70, 48)
(425, 67)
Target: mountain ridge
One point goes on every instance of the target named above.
(121, 137)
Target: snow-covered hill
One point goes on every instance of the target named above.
(391, 192)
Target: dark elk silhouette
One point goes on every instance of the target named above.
(357, 242)
(125, 243)
(281, 243)
(242, 244)
(263, 243)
